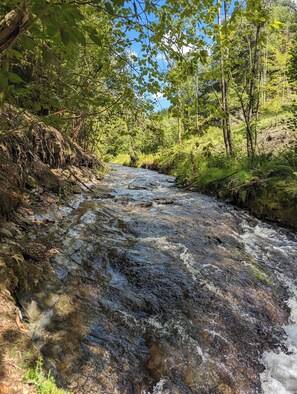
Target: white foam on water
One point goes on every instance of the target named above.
(178, 250)
(211, 266)
(183, 335)
(158, 388)
(187, 340)
(154, 323)
(280, 375)
(216, 334)
(88, 218)
(268, 245)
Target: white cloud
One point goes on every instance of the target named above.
(161, 56)
(131, 55)
(172, 41)
(185, 49)
(158, 95)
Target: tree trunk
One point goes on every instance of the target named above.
(197, 104)
(252, 106)
(11, 27)
(179, 128)
(226, 125)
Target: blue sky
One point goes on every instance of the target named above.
(160, 101)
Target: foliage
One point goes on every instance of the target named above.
(229, 67)
(72, 65)
(44, 384)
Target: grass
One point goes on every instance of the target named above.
(122, 158)
(44, 384)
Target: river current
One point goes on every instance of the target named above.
(163, 290)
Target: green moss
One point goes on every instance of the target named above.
(261, 275)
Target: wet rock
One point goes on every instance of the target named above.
(88, 218)
(46, 177)
(164, 201)
(225, 389)
(146, 204)
(76, 189)
(61, 271)
(103, 196)
(23, 218)
(4, 232)
(12, 227)
(76, 258)
(31, 309)
(143, 184)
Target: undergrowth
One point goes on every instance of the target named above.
(44, 384)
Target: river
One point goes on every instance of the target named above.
(162, 290)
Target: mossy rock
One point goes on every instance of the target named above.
(31, 182)
(277, 201)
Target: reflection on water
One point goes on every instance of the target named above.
(167, 291)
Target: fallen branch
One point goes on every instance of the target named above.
(222, 178)
(80, 181)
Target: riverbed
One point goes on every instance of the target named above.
(162, 290)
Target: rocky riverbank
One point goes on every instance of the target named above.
(39, 169)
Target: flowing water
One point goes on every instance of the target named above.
(167, 291)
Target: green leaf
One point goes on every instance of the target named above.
(3, 80)
(109, 8)
(27, 43)
(119, 3)
(14, 78)
(53, 120)
(15, 54)
(37, 106)
(65, 36)
(79, 36)
(93, 35)
(276, 24)
(39, 6)
(46, 55)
